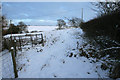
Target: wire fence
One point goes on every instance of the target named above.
(7, 65)
(14, 44)
(0, 65)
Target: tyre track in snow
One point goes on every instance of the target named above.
(62, 38)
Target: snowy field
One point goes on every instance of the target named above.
(53, 61)
(41, 28)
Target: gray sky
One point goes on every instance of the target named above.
(46, 13)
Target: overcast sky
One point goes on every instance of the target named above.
(46, 13)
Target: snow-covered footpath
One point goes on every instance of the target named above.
(51, 61)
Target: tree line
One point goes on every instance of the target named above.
(105, 31)
(107, 23)
(21, 27)
(70, 22)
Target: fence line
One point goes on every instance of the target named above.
(21, 40)
(16, 42)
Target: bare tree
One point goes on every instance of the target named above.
(75, 22)
(107, 7)
(4, 21)
(22, 26)
(61, 23)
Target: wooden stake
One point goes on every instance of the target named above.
(20, 43)
(42, 40)
(14, 63)
(31, 40)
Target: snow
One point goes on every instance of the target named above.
(41, 28)
(12, 48)
(51, 61)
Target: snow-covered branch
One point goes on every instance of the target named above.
(109, 49)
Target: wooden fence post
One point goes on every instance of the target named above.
(14, 62)
(31, 40)
(36, 36)
(20, 43)
(42, 40)
(15, 47)
(5, 44)
(9, 46)
(11, 42)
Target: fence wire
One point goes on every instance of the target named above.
(7, 65)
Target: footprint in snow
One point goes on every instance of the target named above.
(84, 61)
(45, 65)
(28, 60)
(52, 56)
(88, 72)
(63, 61)
(54, 75)
(41, 50)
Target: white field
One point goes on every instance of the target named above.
(35, 28)
(41, 28)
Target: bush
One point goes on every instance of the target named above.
(105, 31)
(13, 29)
(22, 27)
(107, 25)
